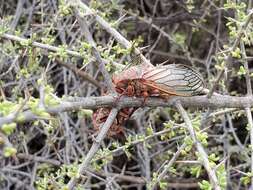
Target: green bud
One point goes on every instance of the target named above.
(9, 151)
(9, 128)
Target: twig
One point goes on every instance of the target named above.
(95, 146)
(84, 75)
(41, 103)
(167, 166)
(17, 15)
(199, 147)
(80, 73)
(141, 180)
(220, 10)
(76, 103)
(39, 45)
(246, 67)
(89, 38)
(250, 125)
(233, 48)
(38, 159)
(221, 112)
(237, 140)
(120, 39)
(135, 142)
(247, 109)
(56, 49)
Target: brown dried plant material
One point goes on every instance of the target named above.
(101, 114)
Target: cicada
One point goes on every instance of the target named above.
(162, 81)
(149, 81)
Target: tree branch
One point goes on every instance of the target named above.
(80, 73)
(95, 146)
(39, 45)
(77, 103)
(84, 75)
(199, 147)
(120, 39)
(233, 48)
(167, 166)
(95, 53)
(250, 125)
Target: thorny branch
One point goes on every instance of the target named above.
(167, 166)
(84, 75)
(247, 109)
(250, 125)
(229, 57)
(76, 103)
(199, 147)
(39, 45)
(94, 148)
(121, 39)
(89, 38)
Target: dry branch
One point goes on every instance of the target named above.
(228, 59)
(199, 147)
(94, 148)
(120, 39)
(76, 103)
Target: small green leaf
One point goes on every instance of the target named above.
(163, 184)
(20, 118)
(149, 130)
(85, 113)
(196, 171)
(236, 53)
(205, 185)
(241, 71)
(213, 157)
(9, 128)
(9, 151)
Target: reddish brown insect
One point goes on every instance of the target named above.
(145, 81)
(163, 81)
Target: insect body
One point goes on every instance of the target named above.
(146, 81)
(163, 81)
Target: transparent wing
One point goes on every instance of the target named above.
(132, 73)
(175, 79)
